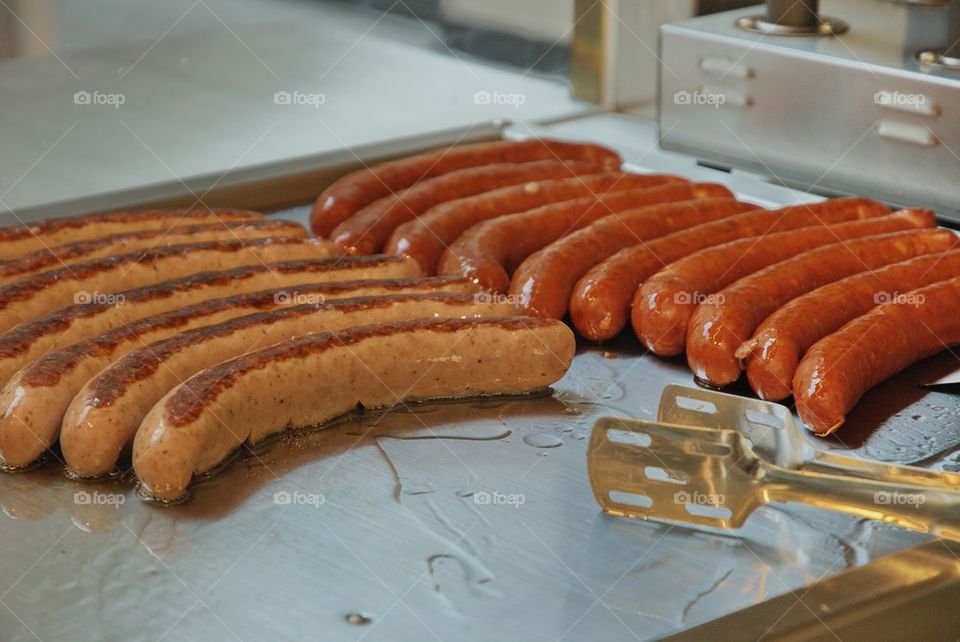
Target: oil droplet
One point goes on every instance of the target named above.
(542, 440)
(359, 618)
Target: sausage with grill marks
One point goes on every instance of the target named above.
(145, 239)
(313, 379)
(600, 302)
(720, 325)
(31, 340)
(349, 194)
(35, 295)
(104, 416)
(35, 399)
(17, 240)
(426, 237)
(663, 305)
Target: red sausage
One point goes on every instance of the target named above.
(729, 318)
(350, 193)
(774, 351)
(426, 237)
(600, 303)
(487, 252)
(842, 366)
(543, 282)
(662, 306)
(366, 231)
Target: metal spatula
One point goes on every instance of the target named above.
(710, 459)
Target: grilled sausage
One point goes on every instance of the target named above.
(17, 240)
(358, 189)
(426, 237)
(663, 305)
(543, 282)
(35, 399)
(729, 318)
(487, 252)
(145, 239)
(32, 296)
(312, 379)
(842, 366)
(366, 231)
(774, 351)
(32, 339)
(600, 303)
(103, 418)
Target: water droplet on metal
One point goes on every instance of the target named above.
(542, 440)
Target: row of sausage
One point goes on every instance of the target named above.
(127, 340)
(805, 298)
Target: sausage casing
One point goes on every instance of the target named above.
(488, 252)
(720, 325)
(663, 305)
(774, 351)
(841, 367)
(352, 192)
(600, 303)
(426, 237)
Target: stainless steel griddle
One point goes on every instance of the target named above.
(465, 521)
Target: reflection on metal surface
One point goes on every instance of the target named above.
(588, 68)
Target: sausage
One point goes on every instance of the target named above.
(103, 418)
(600, 302)
(542, 284)
(29, 341)
(313, 379)
(145, 239)
(774, 351)
(17, 240)
(663, 305)
(841, 367)
(426, 237)
(358, 189)
(727, 319)
(366, 231)
(487, 252)
(32, 296)
(35, 399)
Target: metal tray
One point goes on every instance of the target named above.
(457, 521)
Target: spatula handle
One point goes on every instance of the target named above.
(918, 508)
(894, 474)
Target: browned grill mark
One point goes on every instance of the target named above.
(18, 340)
(48, 369)
(15, 232)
